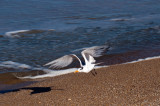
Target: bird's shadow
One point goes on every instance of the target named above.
(35, 90)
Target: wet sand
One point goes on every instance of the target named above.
(125, 84)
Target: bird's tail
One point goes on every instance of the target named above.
(98, 63)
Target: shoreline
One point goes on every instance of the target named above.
(123, 84)
(9, 82)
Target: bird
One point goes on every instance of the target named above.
(88, 54)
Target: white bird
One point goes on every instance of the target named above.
(88, 54)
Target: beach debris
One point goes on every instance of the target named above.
(69, 99)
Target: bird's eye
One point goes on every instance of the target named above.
(81, 68)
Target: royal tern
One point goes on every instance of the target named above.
(88, 55)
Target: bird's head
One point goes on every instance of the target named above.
(79, 70)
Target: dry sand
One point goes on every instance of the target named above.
(118, 85)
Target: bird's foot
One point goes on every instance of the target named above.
(94, 73)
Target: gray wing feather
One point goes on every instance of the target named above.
(61, 62)
(96, 51)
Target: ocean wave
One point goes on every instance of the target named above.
(18, 33)
(20, 66)
(136, 19)
(139, 60)
(122, 19)
(15, 65)
(13, 34)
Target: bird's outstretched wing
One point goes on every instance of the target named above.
(63, 61)
(95, 51)
(91, 59)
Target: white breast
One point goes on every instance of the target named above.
(88, 67)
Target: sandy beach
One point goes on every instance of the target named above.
(124, 84)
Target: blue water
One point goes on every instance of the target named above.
(125, 25)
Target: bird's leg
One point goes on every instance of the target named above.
(95, 71)
(92, 73)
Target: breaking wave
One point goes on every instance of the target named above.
(19, 66)
(18, 33)
(148, 58)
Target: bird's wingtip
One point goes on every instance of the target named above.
(46, 64)
(98, 63)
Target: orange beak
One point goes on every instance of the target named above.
(76, 71)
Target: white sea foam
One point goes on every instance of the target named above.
(15, 65)
(122, 19)
(50, 73)
(13, 34)
(53, 73)
(148, 58)
(16, 34)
